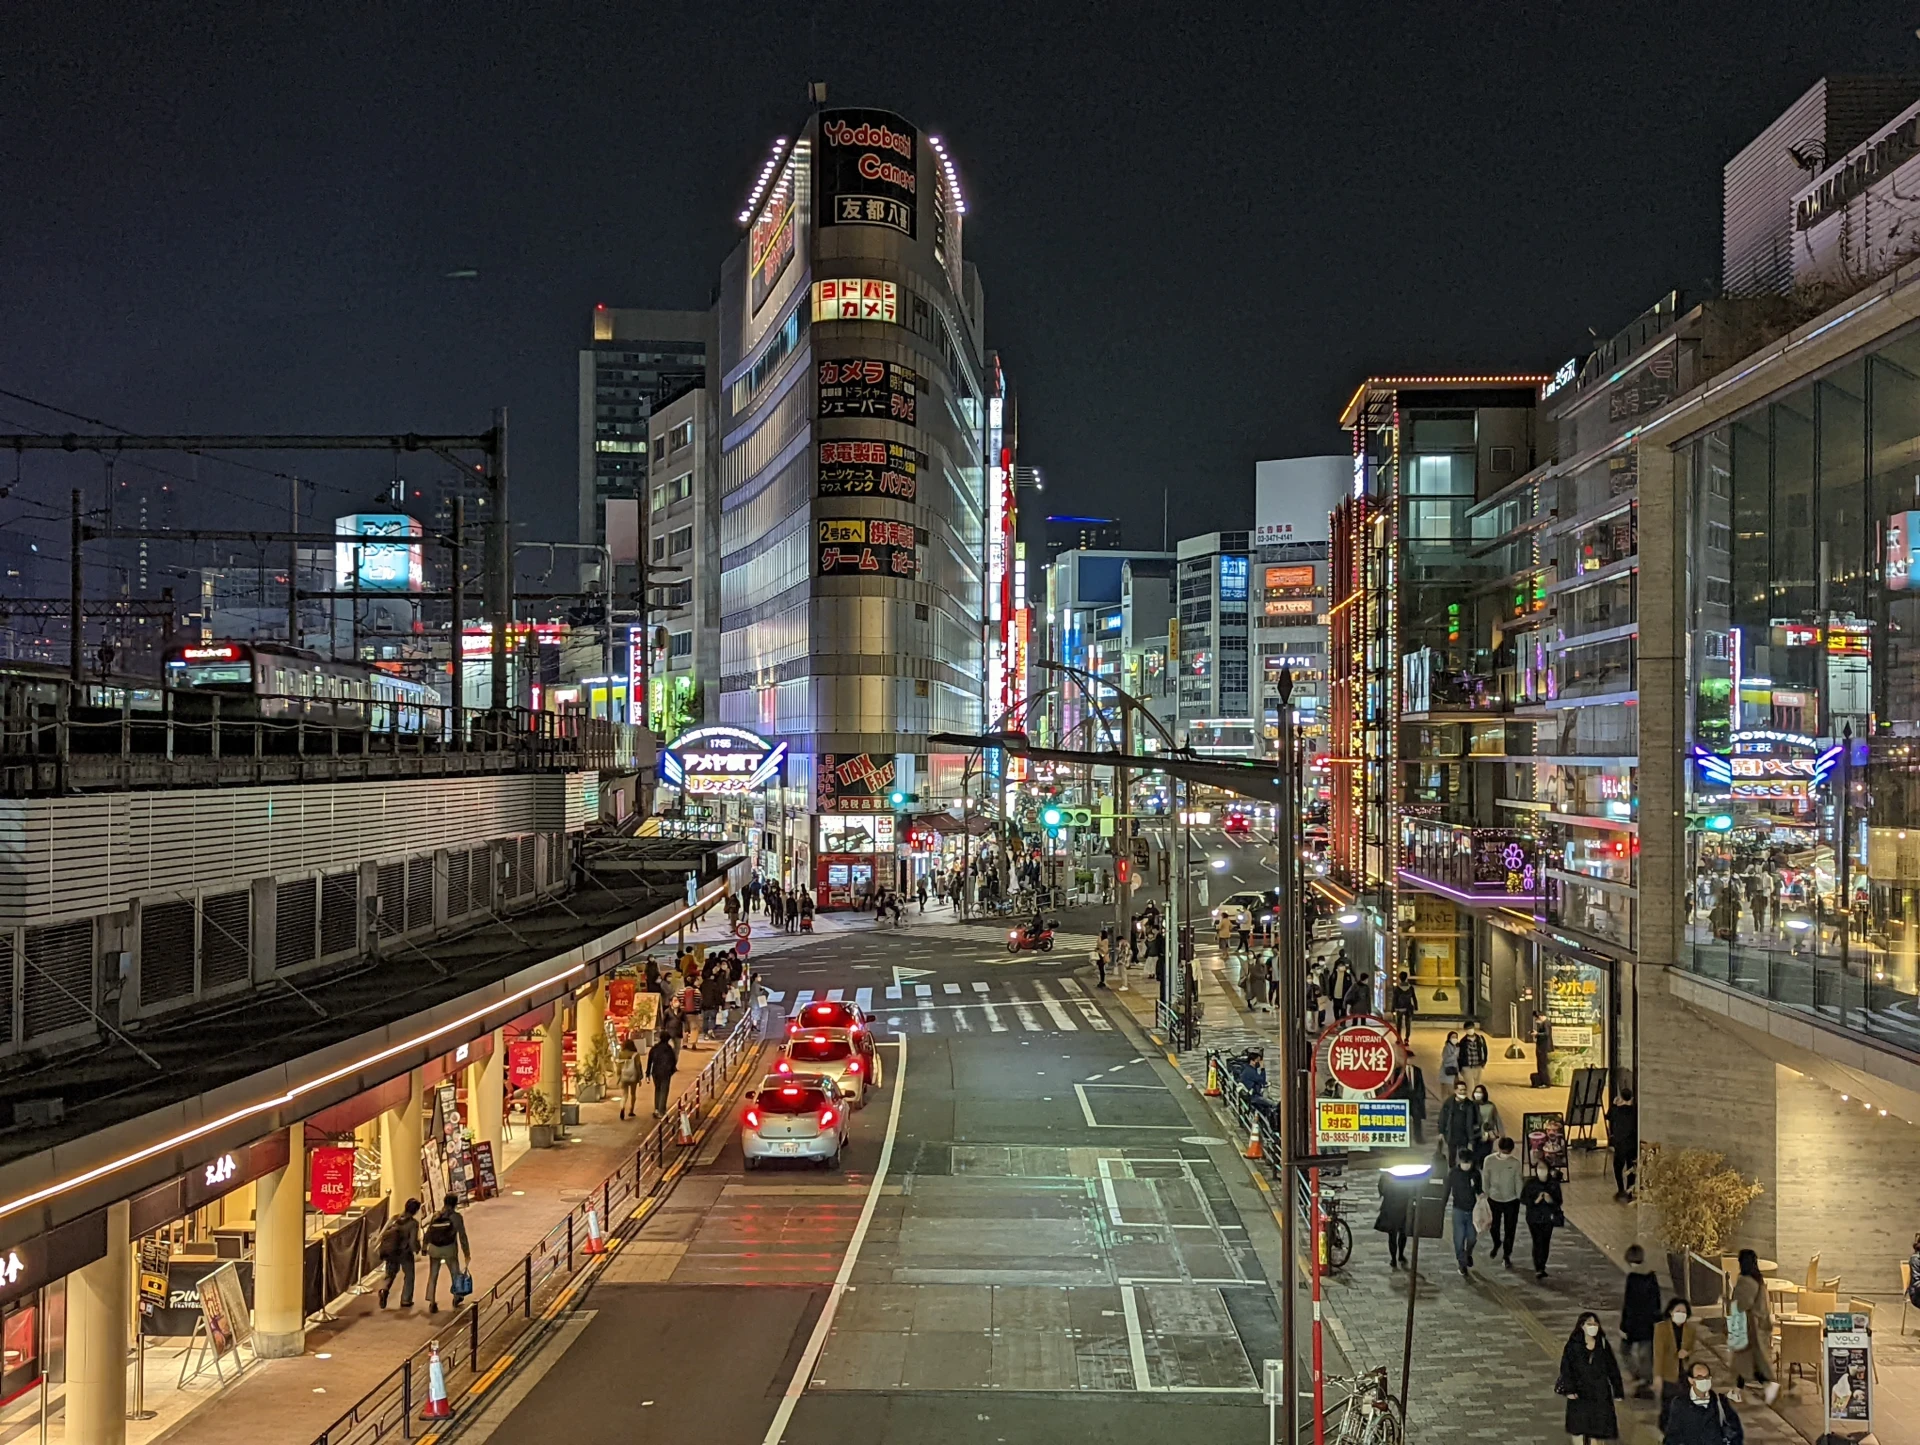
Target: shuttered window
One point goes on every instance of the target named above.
(523, 874)
(392, 879)
(419, 893)
(166, 952)
(482, 880)
(226, 946)
(6, 988)
(294, 916)
(339, 913)
(58, 984)
(458, 865)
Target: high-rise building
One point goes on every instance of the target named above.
(852, 438)
(1217, 690)
(1294, 498)
(637, 359)
(1067, 533)
(682, 532)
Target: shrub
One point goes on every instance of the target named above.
(1700, 1199)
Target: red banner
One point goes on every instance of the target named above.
(330, 1179)
(523, 1063)
(619, 997)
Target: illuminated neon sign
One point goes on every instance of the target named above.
(720, 761)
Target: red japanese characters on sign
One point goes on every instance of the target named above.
(1361, 1058)
(330, 1179)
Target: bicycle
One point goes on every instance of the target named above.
(1338, 1236)
(1371, 1415)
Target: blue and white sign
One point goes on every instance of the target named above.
(386, 566)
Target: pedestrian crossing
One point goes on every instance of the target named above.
(1059, 1006)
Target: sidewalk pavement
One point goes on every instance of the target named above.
(348, 1355)
(1486, 1349)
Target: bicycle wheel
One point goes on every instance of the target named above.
(1339, 1244)
(1384, 1426)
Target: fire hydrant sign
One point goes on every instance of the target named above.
(1363, 1123)
(1361, 1058)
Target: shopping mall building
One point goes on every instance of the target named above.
(853, 437)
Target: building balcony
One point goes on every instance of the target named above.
(1471, 864)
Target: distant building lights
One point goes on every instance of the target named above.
(767, 173)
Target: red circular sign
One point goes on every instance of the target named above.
(743, 929)
(1362, 1057)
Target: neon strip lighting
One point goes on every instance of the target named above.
(140, 1156)
(953, 176)
(1496, 899)
(760, 186)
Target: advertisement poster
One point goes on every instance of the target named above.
(155, 1262)
(645, 1017)
(452, 1140)
(862, 386)
(1848, 1350)
(1363, 1123)
(619, 997)
(852, 783)
(866, 170)
(1903, 539)
(330, 1178)
(870, 469)
(523, 1063)
(869, 546)
(223, 1309)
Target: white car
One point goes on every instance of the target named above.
(1241, 907)
(795, 1117)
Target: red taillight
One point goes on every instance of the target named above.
(783, 1067)
(853, 1066)
(753, 1118)
(855, 1027)
(819, 1038)
(827, 1117)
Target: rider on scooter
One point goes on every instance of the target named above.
(1037, 924)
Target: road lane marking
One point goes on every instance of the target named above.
(1029, 1020)
(1096, 1020)
(960, 1022)
(802, 999)
(816, 1342)
(993, 1018)
(921, 990)
(893, 993)
(1136, 1341)
(982, 988)
(1062, 1020)
(863, 999)
(774, 995)
(836, 995)
(950, 987)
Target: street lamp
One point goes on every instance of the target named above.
(1412, 1174)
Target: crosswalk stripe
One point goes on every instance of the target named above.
(927, 1025)
(863, 999)
(1089, 1010)
(921, 990)
(951, 987)
(1022, 1011)
(836, 995)
(980, 988)
(993, 1018)
(961, 1023)
(774, 995)
(893, 993)
(1061, 1018)
(802, 999)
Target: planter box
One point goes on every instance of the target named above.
(540, 1136)
(569, 1116)
(591, 1092)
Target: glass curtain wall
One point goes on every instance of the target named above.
(1804, 697)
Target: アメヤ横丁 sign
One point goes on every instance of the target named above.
(712, 761)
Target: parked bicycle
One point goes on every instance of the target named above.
(1370, 1415)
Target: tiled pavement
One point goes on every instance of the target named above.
(1486, 1348)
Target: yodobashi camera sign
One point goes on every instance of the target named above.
(717, 761)
(867, 169)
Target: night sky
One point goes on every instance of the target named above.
(1195, 231)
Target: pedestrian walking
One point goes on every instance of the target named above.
(1502, 1176)
(1459, 1123)
(629, 1080)
(661, 1063)
(1473, 1054)
(688, 1003)
(1542, 1042)
(1463, 1199)
(1397, 1196)
(1339, 979)
(399, 1243)
(1699, 1416)
(1913, 1274)
(1750, 1331)
(446, 1241)
(923, 892)
(1639, 1313)
(1359, 996)
(1489, 1124)
(713, 998)
(1540, 1202)
(1450, 1060)
(1405, 1001)
(1623, 1137)
(1413, 1088)
(1590, 1379)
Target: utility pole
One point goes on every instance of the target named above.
(76, 634)
(1292, 992)
(457, 650)
(499, 566)
(1123, 849)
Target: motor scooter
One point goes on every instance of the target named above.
(1020, 940)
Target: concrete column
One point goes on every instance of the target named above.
(552, 1047)
(591, 1014)
(99, 1308)
(279, 1313)
(400, 1147)
(485, 1093)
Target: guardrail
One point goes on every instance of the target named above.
(484, 1331)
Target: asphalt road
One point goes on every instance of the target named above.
(1059, 1247)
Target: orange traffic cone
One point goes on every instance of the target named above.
(686, 1128)
(1253, 1141)
(595, 1244)
(1213, 1076)
(436, 1407)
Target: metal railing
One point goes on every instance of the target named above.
(480, 1334)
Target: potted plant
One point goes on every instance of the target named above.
(1700, 1201)
(540, 1124)
(590, 1074)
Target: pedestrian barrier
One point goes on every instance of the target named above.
(481, 1338)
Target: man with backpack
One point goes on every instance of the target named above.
(629, 1080)
(661, 1062)
(689, 1006)
(446, 1240)
(399, 1243)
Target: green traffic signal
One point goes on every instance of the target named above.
(1053, 817)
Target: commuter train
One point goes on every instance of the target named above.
(277, 683)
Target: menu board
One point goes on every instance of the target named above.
(452, 1138)
(156, 1258)
(486, 1177)
(1545, 1139)
(1847, 1348)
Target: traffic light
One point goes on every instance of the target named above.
(1053, 817)
(1711, 822)
(900, 798)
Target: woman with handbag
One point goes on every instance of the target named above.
(1750, 1330)
(1590, 1380)
(1540, 1202)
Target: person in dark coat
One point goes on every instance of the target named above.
(1540, 1202)
(1396, 1200)
(1590, 1379)
(1413, 1088)
(1639, 1313)
(1542, 1044)
(1701, 1416)
(1463, 1192)
(1404, 1002)
(1459, 1122)
(1623, 1134)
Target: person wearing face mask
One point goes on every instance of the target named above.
(1673, 1345)
(1698, 1416)
(1459, 1127)
(1750, 1330)
(1487, 1125)
(1590, 1379)
(1540, 1202)
(1463, 1193)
